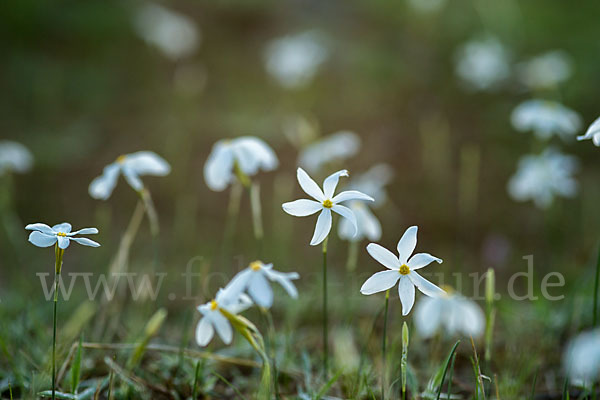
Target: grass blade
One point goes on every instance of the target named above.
(446, 368)
(76, 368)
(533, 384)
(328, 385)
(195, 389)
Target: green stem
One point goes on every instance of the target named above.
(595, 318)
(271, 349)
(233, 209)
(256, 215)
(383, 342)
(352, 255)
(58, 255)
(325, 317)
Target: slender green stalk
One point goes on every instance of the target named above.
(256, 211)
(325, 317)
(352, 255)
(233, 210)
(595, 318)
(448, 359)
(58, 256)
(490, 313)
(195, 388)
(383, 342)
(270, 348)
(450, 375)
(404, 359)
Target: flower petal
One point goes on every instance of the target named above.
(40, 227)
(65, 227)
(407, 244)
(322, 228)
(253, 153)
(428, 316)
(285, 280)
(406, 291)
(204, 332)
(425, 286)
(347, 214)
(260, 290)
(84, 231)
(222, 326)
(85, 241)
(147, 163)
(383, 256)
(41, 239)
(103, 186)
(302, 207)
(218, 167)
(132, 178)
(379, 282)
(421, 260)
(309, 186)
(63, 242)
(331, 182)
(351, 195)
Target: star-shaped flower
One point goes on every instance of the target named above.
(44, 236)
(255, 279)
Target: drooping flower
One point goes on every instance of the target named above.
(229, 299)
(541, 177)
(451, 313)
(403, 269)
(255, 280)
(593, 133)
(546, 70)
(174, 34)
(132, 166)
(374, 182)
(325, 202)
(14, 157)
(367, 224)
(545, 118)
(483, 64)
(581, 359)
(294, 60)
(249, 154)
(338, 146)
(44, 236)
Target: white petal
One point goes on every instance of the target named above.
(63, 242)
(473, 319)
(260, 290)
(132, 178)
(231, 293)
(428, 315)
(421, 260)
(425, 286)
(379, 282)
(103, 186)
(244, 302)
(41, 239)
(406, 291)
(368, 223)
(322, 228)
(302, 207)
(285, 280)
(65, 227)
(84, 231)
(218, 167)
(147, 163)
(383, 256)
(85, 241)
(407, 244)
(253, 153)
(351, 195)
(309, 186)
(331, 182)
(204, 332)
(347, 214)
(40, 227)
(222, 326)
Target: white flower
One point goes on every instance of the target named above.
(451, 313)
(229, 299)
(593, 133)
(541, 177)
(367, 224)
(174, 34)
(14, 157)
(294, 60)
(483, 64)
(546, 70)
(255, 280)
(335, 147)
(581, 359)
(545, 118)
(132, 166)
(325, 203)
(401, 269)
(44, 236)
(248, 153)
(374, 181)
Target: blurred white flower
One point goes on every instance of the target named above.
(546, 70)
(325, 203)
(255, 280)
(374, 181)
(367, 224)
(402, 269)
(335, 147)
(248, 153)
(14, 157)
(426, 6)
(581, 359)
(545, 118)
(174, 34)
(541, 177)
(132, 166)
(44, 236)
(229, 299)
(294, 60)
(483, 64)
(593, 133)
(452, 313)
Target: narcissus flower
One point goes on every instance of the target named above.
(249, 154)
(255, 280)
(593, 133)
(14, 157)
(483, 64)
(545, 118)
(132, 166)
(582, 358)
(367, 224)
(403, 269)
(325, 203)
(44, 236)
(338, 146)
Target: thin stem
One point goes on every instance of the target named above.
(595, 318)
(352, 255)
(271, 348)
(58, 255)
(325, 317)
(256, 215)
(233, 210)
(383, 342)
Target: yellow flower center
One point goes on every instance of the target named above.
(448, 289)
(62, 234)
(255, 265)
(327, 203)
(404, 270)
(213, 305)
(121, 158)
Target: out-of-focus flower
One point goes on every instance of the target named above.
(367, 224)
(335, 147)
(294, 60)
(255, 280)
(174, 34)
(452, 313)
(593, 133)
(325, 202)
(581, 359)
(373, 182)
(44, 236)
(483, 64)
(14, 157)
(229, 299)
(541, 177)
(426, 6)
(545, 118)
(402, 269)
(248, 153)
(132, 166)
(545, 70)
